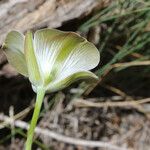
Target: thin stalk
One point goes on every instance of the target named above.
(38, 104)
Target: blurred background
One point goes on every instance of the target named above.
(116, 109)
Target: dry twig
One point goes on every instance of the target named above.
(59, 137)
(130, 64)
(87, 103)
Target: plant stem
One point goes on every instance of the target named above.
(38, 104)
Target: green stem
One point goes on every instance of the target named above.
(38, 104)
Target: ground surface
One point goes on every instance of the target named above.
(121, 31)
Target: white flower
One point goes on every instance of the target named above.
(52, 59)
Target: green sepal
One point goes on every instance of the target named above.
(33, 69)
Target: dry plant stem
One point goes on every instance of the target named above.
(38, 104)
(62, 138)
(86, 103)
(20, 115)
(130, 64)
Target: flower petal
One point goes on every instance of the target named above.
(46, 51)
(33, 70)
(61, 54)
(83, 57)
(60, 84)
(13, 48)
